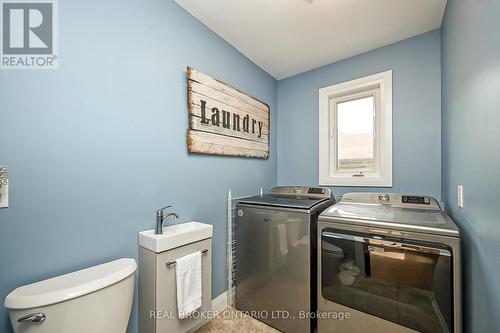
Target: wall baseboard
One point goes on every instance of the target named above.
(219, 304)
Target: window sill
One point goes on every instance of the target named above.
(356, 181)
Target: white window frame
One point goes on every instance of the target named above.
(380, 87)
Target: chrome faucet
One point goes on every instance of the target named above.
(161, 217)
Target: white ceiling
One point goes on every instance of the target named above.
(287, 37)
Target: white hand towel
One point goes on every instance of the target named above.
(188, 280)
(282, 239)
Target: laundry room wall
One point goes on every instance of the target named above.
(471, 146)
(416, 67)
(96, 146)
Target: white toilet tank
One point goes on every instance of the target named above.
(93, 300)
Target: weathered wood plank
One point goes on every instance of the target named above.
(195, 123)
(224, 120)
(226, 99)
(256, 124)
(213, 144)
(194, 104)
(197, 76)
(196, 112)
(230, 141)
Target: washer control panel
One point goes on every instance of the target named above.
(302, 191)
(316, 190)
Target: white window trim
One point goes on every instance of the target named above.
(382, 177)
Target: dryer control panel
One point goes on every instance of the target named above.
(393, 199)
(416, 199)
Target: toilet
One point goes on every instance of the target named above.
(331, 256)
(332, 251)
(96, 299)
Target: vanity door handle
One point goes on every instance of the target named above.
(32, 318)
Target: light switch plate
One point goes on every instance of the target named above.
(460, 196)
(4, 187)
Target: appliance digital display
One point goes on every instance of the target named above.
(415, 199)
(315, 190)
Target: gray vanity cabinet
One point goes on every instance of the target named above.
(157, 290)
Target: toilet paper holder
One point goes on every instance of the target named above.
(4, 187)
(4, 178)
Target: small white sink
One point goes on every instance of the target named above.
(175, 236)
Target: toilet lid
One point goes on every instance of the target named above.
(331, 248)
(69, 286)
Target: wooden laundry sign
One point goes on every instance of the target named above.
(224, 120)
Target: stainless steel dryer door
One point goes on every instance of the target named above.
(406, 282)
(273, 261)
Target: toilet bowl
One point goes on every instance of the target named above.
(96, 299)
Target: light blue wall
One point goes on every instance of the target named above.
(95, 147)
(416, 70)
(471, 150)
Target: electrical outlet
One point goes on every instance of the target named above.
(460, 196)
(4, 187)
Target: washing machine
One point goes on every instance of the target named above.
(388, 262)
(276, 250)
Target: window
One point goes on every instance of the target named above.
(355, 132)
